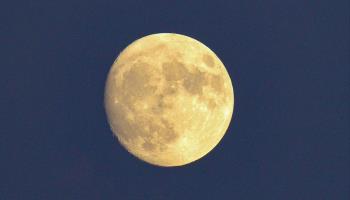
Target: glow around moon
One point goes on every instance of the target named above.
(169, 99)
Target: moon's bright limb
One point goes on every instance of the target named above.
(169, 99)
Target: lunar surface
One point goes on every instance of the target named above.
(169, 99)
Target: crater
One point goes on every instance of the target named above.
(211, 104)
(170, 135)
(194, 82)
(136, 81)
(171, 89)
(208, 60)
(217, 83)
(160, 104)
(148, 146)
(160, 134)
(174, 71)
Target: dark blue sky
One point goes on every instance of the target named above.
(288, 60)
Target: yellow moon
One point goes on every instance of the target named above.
(169, 99)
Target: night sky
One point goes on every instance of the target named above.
(289, 63)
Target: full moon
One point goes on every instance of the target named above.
(169, 99)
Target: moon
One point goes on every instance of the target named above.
(168, 99)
